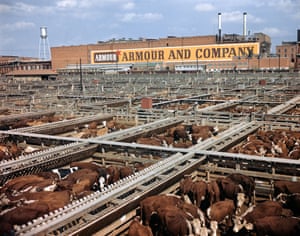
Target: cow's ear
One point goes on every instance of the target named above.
(249, 226)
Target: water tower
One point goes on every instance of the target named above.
(44, 49)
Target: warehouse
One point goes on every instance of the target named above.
(165, 53)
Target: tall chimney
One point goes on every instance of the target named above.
(219, 26)
(244, 24)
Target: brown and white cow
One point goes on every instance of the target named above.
(246, 182)
(152, 203)
(258, 211)
(136, 228)
(285, 186)
(221, 214)
(277, 226)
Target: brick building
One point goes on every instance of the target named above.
(230, 53)
(10, 64)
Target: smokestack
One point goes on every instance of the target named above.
(244, 24)
(219, 25)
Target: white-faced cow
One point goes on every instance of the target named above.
(258, 211)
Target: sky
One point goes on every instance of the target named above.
(81, 22)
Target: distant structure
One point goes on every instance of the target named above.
(44, 48)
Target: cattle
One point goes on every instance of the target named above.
(149, 141)
(33, 206)
(246, 182)
(294, 153)
(284, 186)
(138, 229)
(87, 177)
(258, 211)
(152, 203)
(290, 201)
(277, 226)
(174, 221)
(32, 183)
(125, 171)
(195, 191)
(200, 133)
(220, 214)
(179, 133)
(231, 190)
(186, 186)
(213, 192)
(271, 143)
(63, 172)
(182, 144)
(102, 171)
(113, 174)
(199, 190)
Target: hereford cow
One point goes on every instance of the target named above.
(277, 226)
(284, 186)
(220, 214)
(186, 186)
(199, 190)
(33, 205)
(231, 190)
(152, 203)
(113, 174)
(174, 221)
(290, 201)
(246, 182)
(213, 192)
(138, 229)
(125, 171)
(258, 211)
(29, 183)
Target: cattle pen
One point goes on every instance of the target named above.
(56, 123)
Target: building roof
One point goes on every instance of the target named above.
(31, 72)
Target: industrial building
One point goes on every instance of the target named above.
(232, 52)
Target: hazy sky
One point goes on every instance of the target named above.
(75, 22)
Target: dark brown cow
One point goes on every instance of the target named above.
(247, 183)
(199, 190)
(113, 174)
(186, 186)
(213, 192)
(231, 190)
(152, 203)
(138, 229)
(290, 201)
(258, 211)
(277, 226)
(288, 187)
(125, 171)
(180, 133)
(174, 221)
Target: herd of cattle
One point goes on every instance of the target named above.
(25, 198)
(225, 206)
(181, 136)
(271, 143)
(10, 150)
